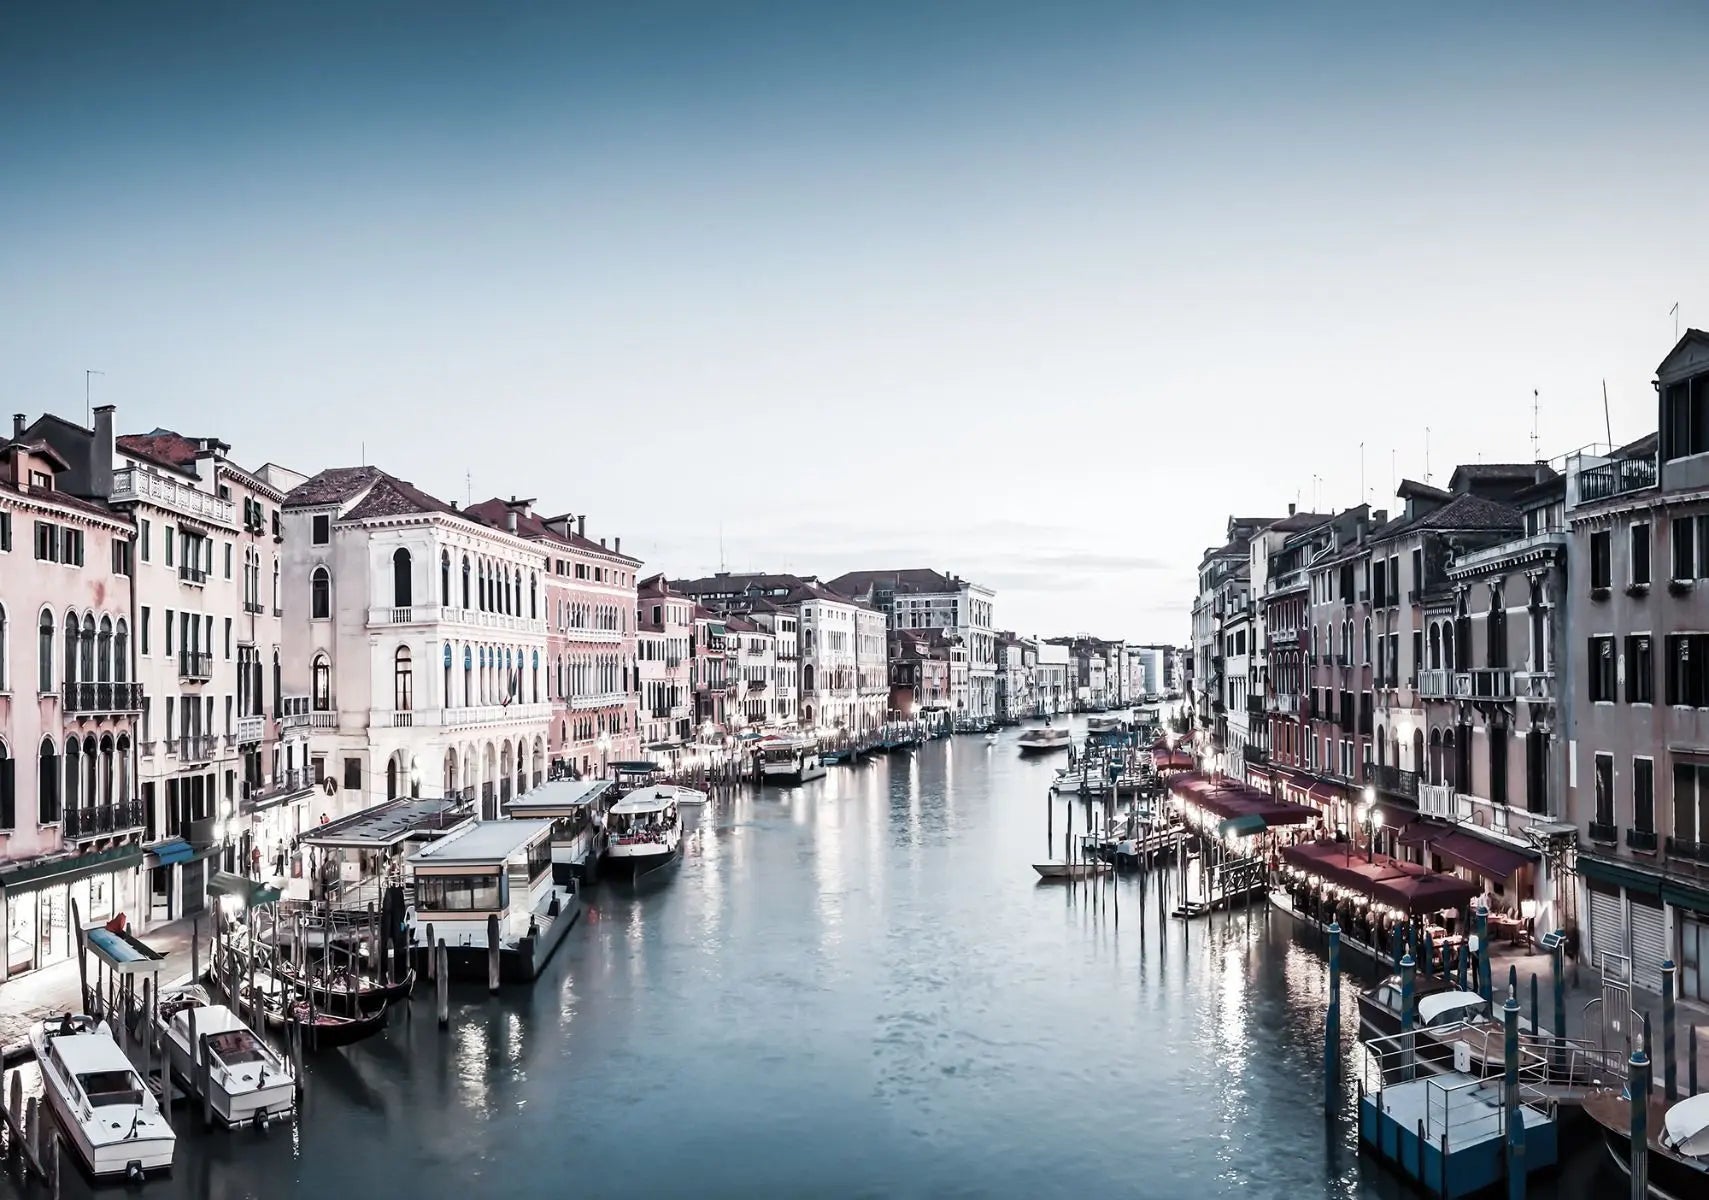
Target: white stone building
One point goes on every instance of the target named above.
(925, 599)
(414, 641)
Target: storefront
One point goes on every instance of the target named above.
(1644, 918)
(38, 899)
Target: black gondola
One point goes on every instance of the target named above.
(320, 1030)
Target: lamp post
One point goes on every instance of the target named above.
(604, 750)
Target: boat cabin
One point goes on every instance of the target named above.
(353, 859)
(486, 868)
(643, 816)
(576, 808)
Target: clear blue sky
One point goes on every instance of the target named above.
(1038, 294)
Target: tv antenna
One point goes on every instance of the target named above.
(1675, 312)
(87, 373)
(1534, 403)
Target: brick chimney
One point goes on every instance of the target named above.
(17, 425)
(617, 545)
(101, 453)
(581, 526)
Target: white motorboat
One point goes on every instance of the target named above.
(643, 830)
(991, 739)
(1066, 781)
(687, 797)
(1043, 741)
(109, 1116)
(248, 1082)
(790, 760)
(1074, 870)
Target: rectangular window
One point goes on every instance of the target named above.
(47, 542)
(228, 639)
(1685, 418)
(322, 530)
(1602, 668)
(353, 775)
(1644, 795)
(142, 630)
(143, 539)
(168, 538)
(1601, 561)
(1640, 670)
(1605, 789)
(228, 560)
(1641, 552)
(121, 556)
(1687, 680)
(1497, 765)
(5, 532)
(169, 633)
(1691, 803)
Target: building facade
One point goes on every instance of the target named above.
(921, 598)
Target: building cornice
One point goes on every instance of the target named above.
(45, 504)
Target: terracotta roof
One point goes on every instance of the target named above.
(39, 447)
(334, 485)
(163, 446)
(494, 512)
(913, 580)
(1463, 513)
(391, 497)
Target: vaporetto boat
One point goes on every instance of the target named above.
(110, 1118)
(643, 830)
(1044, 741)
(790, 760)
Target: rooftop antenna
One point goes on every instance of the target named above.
(1675, 311)
(721, 566)
(1607, 425)
(1427, 454)
(87, 373)
(1362, 496)
(1534, 457)
(1394, 477)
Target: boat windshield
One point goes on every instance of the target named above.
(106, 1088)
(236, 1046)
(629, 828)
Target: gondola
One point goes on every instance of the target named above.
(351, 994)
(320, 1030)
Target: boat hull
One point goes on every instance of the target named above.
(634, 866)
(235, 1109)
(1069, 870)
(1032, 748)
(1670, 1176)
(111, 1160)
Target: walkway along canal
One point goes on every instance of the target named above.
(853, 988)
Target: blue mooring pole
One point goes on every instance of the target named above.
(1670, 1060)
(1510, 1089)
(1536, 1027)
(1483, 979)
(1332, 1024)
(1636, 1069)
(1557, 966)
(1407, 988)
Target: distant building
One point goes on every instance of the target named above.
(925, 599)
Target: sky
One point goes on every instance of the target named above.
(1037, 294)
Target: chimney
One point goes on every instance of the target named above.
(617, 545)
(602, 543)
(1291, 510)
(17, 425)
(101, 453)
(510, 520)
(1380, 517)
(581, 526)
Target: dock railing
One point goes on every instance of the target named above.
(1464, 1107)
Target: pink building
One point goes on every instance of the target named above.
(664, 648)
(590, 637)
(71, 826)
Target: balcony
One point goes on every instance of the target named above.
(1256, 755)
(319, 719)
(1534, 687)
(132, 483)
(1484, 683)
(188, 573)
(250, 730)
(284, 785)
(1255, 705)
(1437, 800)
(429, 614)
(1435, 685)
(102, 820)
(97, 699)
(195, 664)
(252, 606)
(1615, 478)
(1695, 851)
(1602, 831)
(603, 700)
(1502, 819)
(1641, 840)
(1393, 780)
(199, 748)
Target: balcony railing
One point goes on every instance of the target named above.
(195, 664)
(1435, 685)
(1616, 478)
(190, 573)
(88, 699)
(284, 784)
(250, 729)
(1437, 800)
(131, 483)
(200, 748)
(1534, 687)
(1695, 851)
(1641, 840)
(1604, 831)
(1392, 779)
(103, 820)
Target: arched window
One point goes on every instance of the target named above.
(275, 587)
(106, 773)
(445, 578)
(123, 766)
(73, 773)
(445, 694)
(86, 650)
(122, 653)
(104, 652)
(403, 681)
(1435, 646)
(1447, 646)
(1367, 640)
(533, 597)
(47, 777)
(71, 675)
(401, 589)
(392, 778)
(1497, 628)
(44, 653)
(465, 581)
(322, 689)
(320, 594)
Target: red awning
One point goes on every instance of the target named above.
(1424, 893)
(1493, 861)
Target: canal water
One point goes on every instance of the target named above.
(853, 989)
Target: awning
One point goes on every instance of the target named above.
(32, 873)
(169, 853)
(251, 892)
(1474, 853)
(1242, 826)
(121, 951)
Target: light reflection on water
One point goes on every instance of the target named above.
(855, 988)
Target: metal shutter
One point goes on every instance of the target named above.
(1649, 944)
(1607, 929)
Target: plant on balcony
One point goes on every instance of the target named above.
(1678, 587)
(1599, 593)
(1637, 589)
